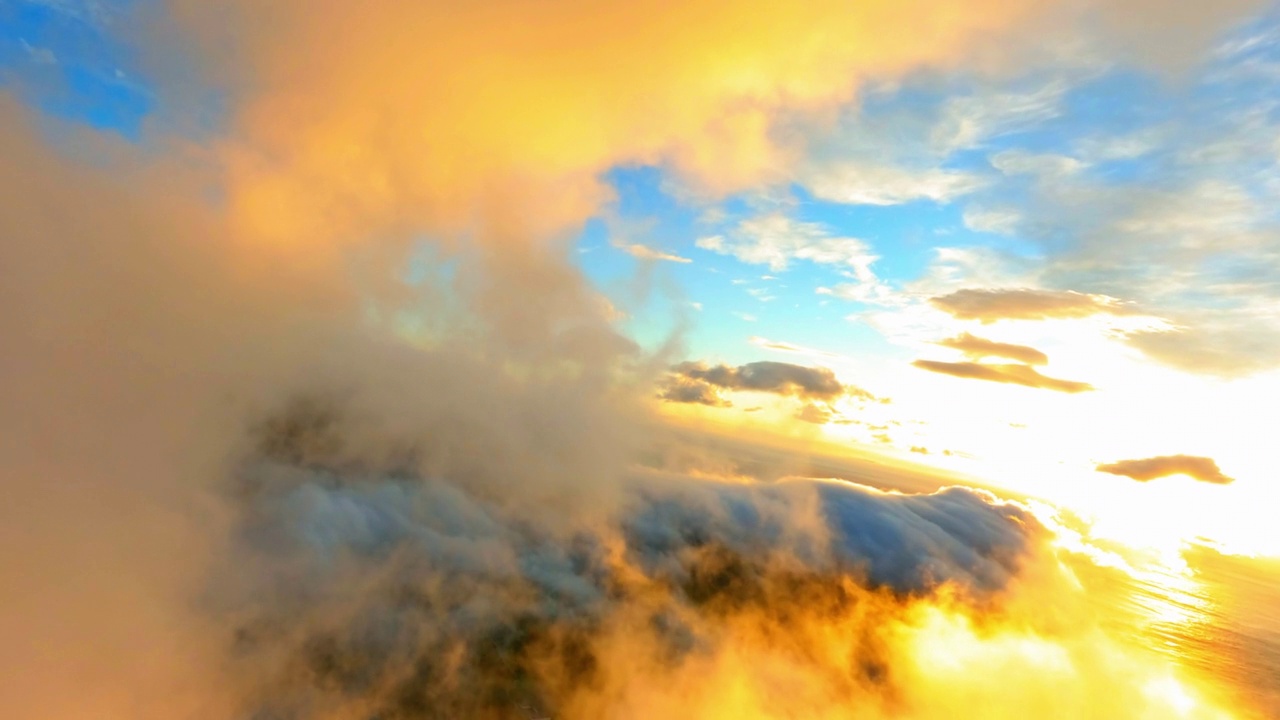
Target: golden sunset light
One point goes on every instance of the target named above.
(705, 360)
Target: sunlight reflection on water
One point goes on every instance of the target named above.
(1219, 617)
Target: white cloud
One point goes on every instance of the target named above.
(875, 293)
(1045, 166)
(868, 184)
(969, 121)
(776, 240)
(1000, 222)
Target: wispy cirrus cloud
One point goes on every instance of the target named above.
(644, 252)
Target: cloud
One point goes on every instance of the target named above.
(872, 292)
(644, 252)
(786, 347)
(654, 605)
(969, 121)
(696, 382)
(815, 414)
(458, 542)
(976, 348)
(1201, 468)
(863, 184)
(1045, 167)
(699, 88)
(684, 389)
(776, 240)
(1013, 374)
(999, 222)
(990, 305)
(815, 383)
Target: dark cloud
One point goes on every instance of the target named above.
(1146, 469)
(976, 348)
(1013, 374)
(696, 382)
(689, 390)
(989, 305)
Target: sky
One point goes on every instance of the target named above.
(285, 279)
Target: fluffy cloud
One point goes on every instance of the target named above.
(1013, 374)
(990, 305)
(1201, 468)
(976, 348)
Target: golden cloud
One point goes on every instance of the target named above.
(990, 305)
(1013, 374)
(976, 348)
(1147, 469)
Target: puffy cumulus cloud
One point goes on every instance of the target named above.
(1201, 468)
(683, 389)
(698, 382)
(406, 111)
(990, 305)
(146, 335)
(1024, 375)
(976, 348)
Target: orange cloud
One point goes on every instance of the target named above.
(1201, 468)
(989, 305)
(1013, 374)
(976, 348)
(407, 113)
